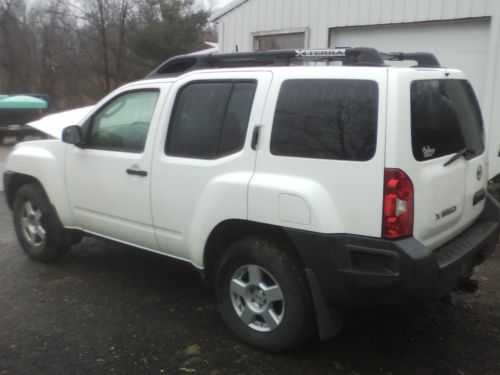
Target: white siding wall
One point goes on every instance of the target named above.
(320, 15)
(491, 111)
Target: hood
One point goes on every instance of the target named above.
(54, 124)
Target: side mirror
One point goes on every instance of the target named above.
(73, 136)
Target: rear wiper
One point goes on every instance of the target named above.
(458, 155)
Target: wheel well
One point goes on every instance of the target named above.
(18, 180)
(230, 231)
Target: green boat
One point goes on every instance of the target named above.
(18, 110)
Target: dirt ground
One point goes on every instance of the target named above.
(107, 308)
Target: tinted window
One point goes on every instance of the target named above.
(445, 119)
(326, 119)
(210, 119)
(123, 124)
(236, 120)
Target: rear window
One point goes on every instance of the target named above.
(445, 119)
(326, 119)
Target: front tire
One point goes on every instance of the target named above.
(37, 226)
(263, 295)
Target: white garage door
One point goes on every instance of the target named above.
(459, 44)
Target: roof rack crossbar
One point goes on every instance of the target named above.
(348, 56)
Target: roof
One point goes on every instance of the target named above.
(224, 10)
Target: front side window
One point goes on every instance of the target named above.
(445, 119)
(123, 124)
(326, 119)
(210, 119)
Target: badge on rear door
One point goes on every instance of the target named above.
(446, 212)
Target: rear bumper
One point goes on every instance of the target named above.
(359, 271)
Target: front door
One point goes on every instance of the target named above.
(108, 180)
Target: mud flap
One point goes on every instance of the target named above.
(330, 320)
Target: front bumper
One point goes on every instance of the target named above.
(353, 271)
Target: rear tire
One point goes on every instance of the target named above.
(263, 295)
(37, 226)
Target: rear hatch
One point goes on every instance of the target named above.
(439, 121)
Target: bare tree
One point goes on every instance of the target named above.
(77, 51)
(16, 46)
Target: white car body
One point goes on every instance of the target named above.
(89, 186)
(366, 227)
(54, 124)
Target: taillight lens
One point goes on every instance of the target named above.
(398, 204)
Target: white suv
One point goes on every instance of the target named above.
(298, 191)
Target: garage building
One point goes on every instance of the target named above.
(463, 34)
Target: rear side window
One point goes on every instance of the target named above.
(445, 119)
(210, 119)
(326, 119)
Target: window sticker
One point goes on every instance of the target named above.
(428, 151)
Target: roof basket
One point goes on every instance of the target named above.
(348, 56)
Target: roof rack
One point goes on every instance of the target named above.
(348, 56)
(423, 59)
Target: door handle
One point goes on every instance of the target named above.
(255, 137)
(137, 172)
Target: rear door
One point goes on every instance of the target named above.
(321, 152)
(203, 157)
(435, 118)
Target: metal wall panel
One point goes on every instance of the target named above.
(261, 20)
(422, 11)
(375, 12)
(295, 6)
(436, 10)
(450, 9)
(386, 12)
(491, 114)
(398, 11)
(364, 12)
(321, 15)
(305, 9)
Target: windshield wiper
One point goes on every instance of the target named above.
(462, 153)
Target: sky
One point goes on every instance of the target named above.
(221, 3)
(217, 4)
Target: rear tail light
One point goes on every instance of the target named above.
(398, 204)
